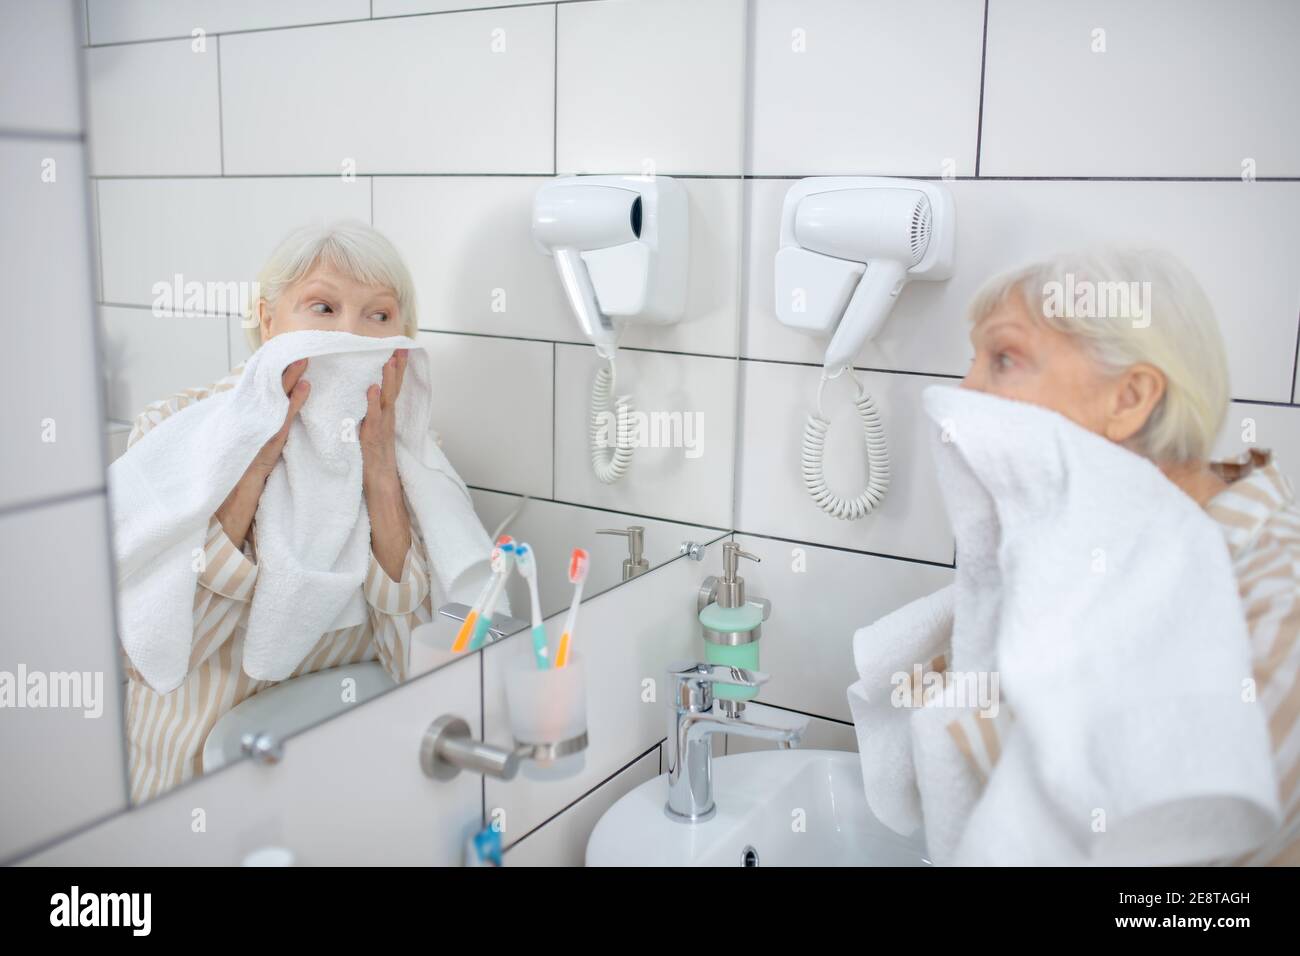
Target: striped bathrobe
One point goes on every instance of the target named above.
(166, 732)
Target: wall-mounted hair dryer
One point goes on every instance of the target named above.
(620, 245)
(848, 247)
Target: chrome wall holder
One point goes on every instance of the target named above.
(503, 625)
(448, 747)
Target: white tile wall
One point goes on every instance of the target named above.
(401, 8)
(208, 230)
(149, 357)
(35, 54)
(347, 792)
(1238, 239)
(1183, 88)
(820, 596)
(116, 21)
(468, 93)
(469, 245)
(865, 87)
(563, 840)
(492, 409)
(52, 441)
(775, 401)
(661, 481)
(62, 767)
(154, 110)
(631, 74)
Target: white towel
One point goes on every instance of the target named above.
(313, 532)
(1105, 600)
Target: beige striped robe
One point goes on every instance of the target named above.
(166, 732)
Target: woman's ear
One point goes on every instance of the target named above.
(264, 318)
(1136, 393)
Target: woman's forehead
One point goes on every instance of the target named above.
(326, 274)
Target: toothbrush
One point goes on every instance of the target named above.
(579, 562)
(502, 569)
(465, 635)
(527, 566)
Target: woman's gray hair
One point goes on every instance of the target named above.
(352, 248)
(1130, 305)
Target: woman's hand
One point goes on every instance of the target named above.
(236, 512)
(390, 526)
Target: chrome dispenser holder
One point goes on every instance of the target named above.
(635, 562)
(729, 591)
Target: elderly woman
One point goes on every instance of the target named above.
(343, 277)
(1154, 379)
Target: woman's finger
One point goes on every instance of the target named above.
(403, 356)
(386, 395)
(291, 375)
(372, 404)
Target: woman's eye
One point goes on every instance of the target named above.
(381, 316)
(320, 308)
(1002, 360)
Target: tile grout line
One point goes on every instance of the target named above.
(221, 121)
(979, 122)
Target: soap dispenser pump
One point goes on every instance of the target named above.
(732, 625)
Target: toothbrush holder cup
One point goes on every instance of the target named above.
(548, 715)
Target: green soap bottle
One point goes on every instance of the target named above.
(732, 625)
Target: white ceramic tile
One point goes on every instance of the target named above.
(628, 638)
(1263, 426)
(1237, 239)
(208, 230)
(651, 86)
(39, 46)
(492, 409)
(153, 109)
(118, 433)
(401, 8)
(239, 346)
(52, 426)
(819, 735)
(1183, 88)
(820, 596)
(148, 357)
(687, 400)
(58, 601)
(563, 840)
(461, 93)
(878, 87)
(113, 21)
(348, 792)
(468, 241)
(775, 402)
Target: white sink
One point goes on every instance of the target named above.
(758, 795)
(289, 707)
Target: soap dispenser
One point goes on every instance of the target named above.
(732, 624)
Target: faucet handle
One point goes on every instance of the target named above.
(697, 672)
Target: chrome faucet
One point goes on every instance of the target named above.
(691, 726)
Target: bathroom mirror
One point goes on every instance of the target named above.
(198, 174)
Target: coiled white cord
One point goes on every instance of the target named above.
(814, 447)
(610, 463)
